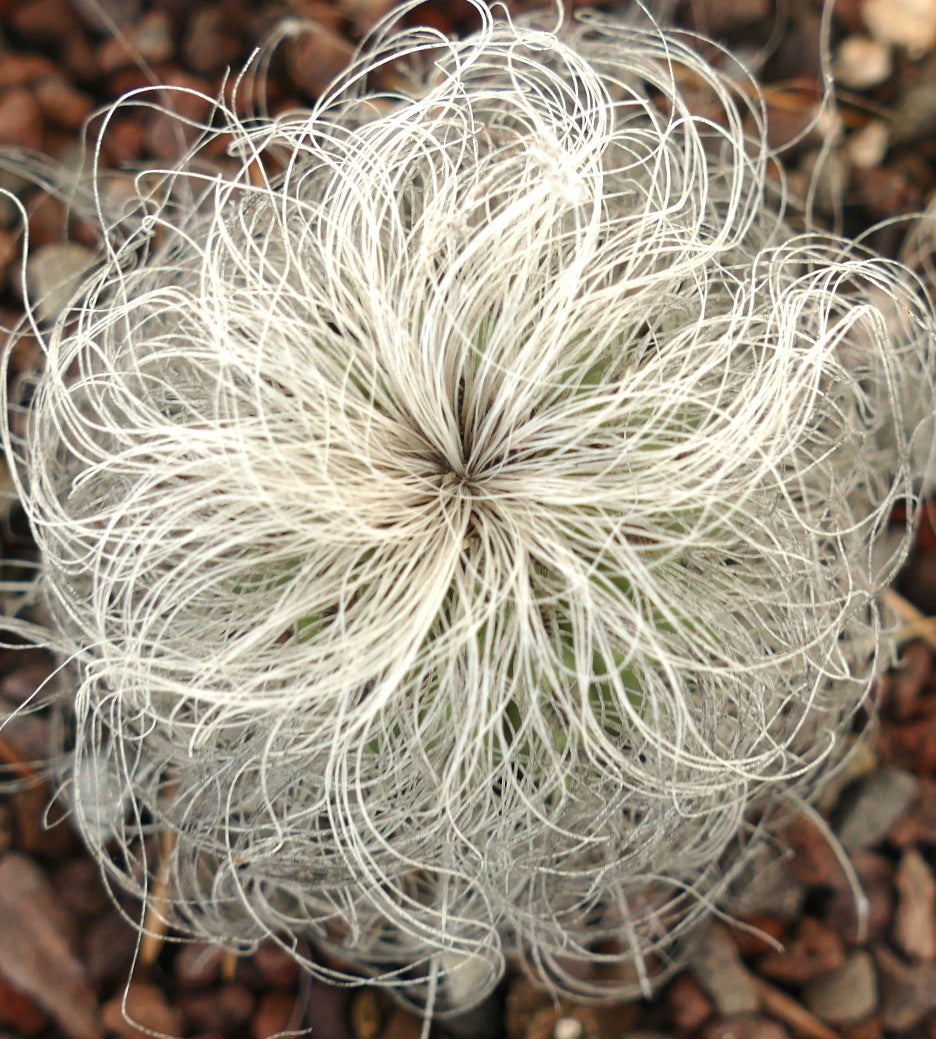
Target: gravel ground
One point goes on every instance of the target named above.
(65, 948)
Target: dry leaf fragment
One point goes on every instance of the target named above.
(34, 953)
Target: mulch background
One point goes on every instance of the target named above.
(65, 950)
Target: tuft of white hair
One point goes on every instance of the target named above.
(462, 536)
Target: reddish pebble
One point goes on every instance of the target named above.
(315, 58)
(715, 17)
(19, 1012)
(61, 104)
(51, 21)
(688, 1004)
(79, 886)
(213, 41)
(20, 119)
(814, 861)
(910, 746)
(326, 1016)
(32, 681)
(918, 826)
(870, 1028)
(139, 1012)
(113, 54)
(48, 221)
(108, 948)
(814, 951)
(224, 1009)
(402, 1025)
(876, 874)
(79, 58)
(19, 70)
(277, 1012)
(760, 933)
(886, 192)
(198, 965)
(909, 680)
(275, 965)
(123, 142)
(167, 134)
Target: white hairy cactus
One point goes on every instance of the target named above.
(461, 537)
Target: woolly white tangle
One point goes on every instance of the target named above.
(462, 536)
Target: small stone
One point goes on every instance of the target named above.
(198, 965)
(908, 993)
(28, 679)
(402, 1025)
(113, 54)
(746, 1026)
(847, 995)
(689, 1007)
(870, 1028)
(50, 21)
(101, 20)
(789, 127)
(879, 802)
(53, 274)
(276, 1013)
(316, 57)
(48, 220)
(568, 1028)
(326, 1014)
(19, 1012)
(524, 1000)
(20, 119)
(905, 23)
(909, 679)
(277, 967)
(123, 142)
(862, 63)
(760, 933)
(168, 131)
(153, 37)
(814, 862)
(78, 58)
(28, 735)
(108, 946)
(815, 950)
(717, 968)
(364, 13)
(61, 104)
(716, 17)
(20, 70)
(591, 1023)
(225, 1009)
(79, 887)
(140, 1011)
(212, 41)
(876, 875)
(915, 918)
(867, 147)
(767, 884)
(918, 826)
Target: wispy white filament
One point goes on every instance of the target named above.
(462, 534)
